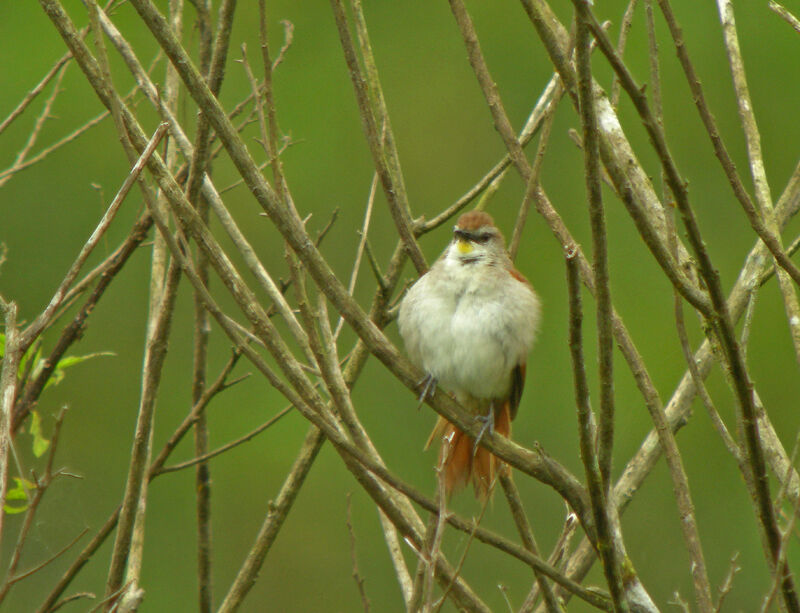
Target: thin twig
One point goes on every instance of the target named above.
(434, 544)
(288, 37)
(211, 391)
(24, 575)
(8, 392)
(607, 551)
(32, 332)
(362, 243)
(756, 160)
(781, 11)
(526, 534)
(226, 447)
(373, 113)
(37, 128)
(722, 320)
(30, 395)
(356, 574)
(213, 57)
(32, 94)
(71, 598)
(533, 181)
(42, 485)
(756, 221)
(278, 510)
(727, 583)
(591, 151)
(129, 528)
(624, 29)
(476, 522)
(488, 85)
(550, 95)
(269, 128)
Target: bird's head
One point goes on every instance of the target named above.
(476, 240)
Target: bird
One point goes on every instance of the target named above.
(469, 323)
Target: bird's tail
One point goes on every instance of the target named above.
(460, 462)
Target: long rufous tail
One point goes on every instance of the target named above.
(456, 458)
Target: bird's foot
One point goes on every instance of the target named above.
(428, 385)
(488, 426)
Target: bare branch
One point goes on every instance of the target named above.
(277, 513)
(608, 551)
(373, 114)
(36, 327)
(781, 11)
(8, 391)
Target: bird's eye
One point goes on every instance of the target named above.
(482, 238)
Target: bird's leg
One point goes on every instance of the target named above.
(428, 385)
(488, 425)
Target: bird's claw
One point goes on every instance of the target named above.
(488, 426)
(428, 385)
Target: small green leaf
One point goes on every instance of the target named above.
(14, 510)
(40, 443)
(71, 360)
(19, 492)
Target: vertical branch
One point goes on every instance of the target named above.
(202, 328)
(624, 29)
(721, 317)
(597, 493)
(756, 221)
(672, 455)
(214, 78)
(212, 61)
(8, 392)
(213, 57)
(591, 151)
(130, 531)
(756, 159)
(270, 127)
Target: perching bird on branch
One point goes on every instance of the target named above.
(469, 323)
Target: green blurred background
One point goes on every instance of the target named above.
(446, 142)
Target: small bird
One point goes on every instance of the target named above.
(469, 323)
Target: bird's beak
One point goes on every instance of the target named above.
(464, 247)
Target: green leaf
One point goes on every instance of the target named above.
(40, 443)
(71, 360)
(19, 492)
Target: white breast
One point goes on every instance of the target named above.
(469, 326)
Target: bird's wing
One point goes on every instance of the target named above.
(518, 374)
(517, 384)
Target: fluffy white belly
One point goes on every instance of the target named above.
(469, 338)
